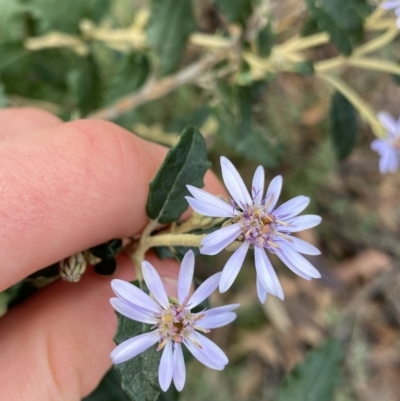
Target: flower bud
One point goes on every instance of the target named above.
(72, 268)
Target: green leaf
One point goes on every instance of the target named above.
(362, 7)
(37, 75)
(170, 25)
(186, 163)
(172, 394)
(310, 27)
(109, 389)
(305, 68)
(235, 10)
(85, 84)
(3, 97)
(65, 16)
(239, 129)
(11, 21)
(343, 125)
(342, 19)
(139, 375)
(107, 250)
(315, 378)
(106, 267)
(265, 40)
(395, 77)
(132, 71)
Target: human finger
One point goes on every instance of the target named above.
(70, 187)
(59, 341)
(23, 120)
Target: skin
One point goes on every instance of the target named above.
(65, 187)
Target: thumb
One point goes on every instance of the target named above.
(59, 341)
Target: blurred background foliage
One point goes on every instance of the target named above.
(155, 67)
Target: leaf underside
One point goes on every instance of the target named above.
(186, 163)
(342, 19)
(315, 378)
(343, 125)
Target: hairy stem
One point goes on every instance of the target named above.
(377, 43)
(366, 112)
(138, 255)
(376, 65)
(174, 240)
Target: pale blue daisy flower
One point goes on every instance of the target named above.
(173, 323)
(388, 148)
(256, 223)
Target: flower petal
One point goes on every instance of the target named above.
(154, 284)
(380, 146)
(303, 247)
(202, 357)
(179, 370)
(219, 239)
(273, 193)
(292, 266)
(292, 207)
(261, 292)
(204, 291)
(300, 223)
(262, 271)
(208, 209)
(221, 207)
(389, 123)
(266, 273)
(219, 310)
(212, 322)
(294, 261)
(133, 295)
(388, 5)
(232, 267)
(133, 347)
(210, 349)
(234, 183)
(257, 187)
(389, 161)
(166, 367)
(185, 276)
(127, 310)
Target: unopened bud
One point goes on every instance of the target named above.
(72, 268)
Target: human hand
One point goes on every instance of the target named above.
(66, 187)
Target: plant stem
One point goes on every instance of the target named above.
(377, 43)
(156, 89)
(375, 16)
(174, 240)
(297, 43)
(138, 255)
(366, 112)
(376, 65)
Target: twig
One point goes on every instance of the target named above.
(378, 42)
(376, 65)
(157, 89)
